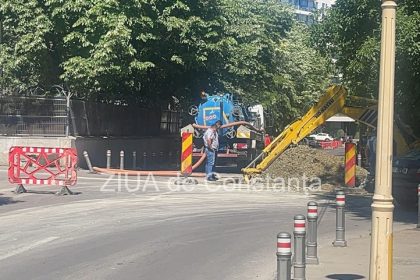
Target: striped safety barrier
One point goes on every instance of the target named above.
(42, 166)
(330, 144)
(350, 165)
(187, 153)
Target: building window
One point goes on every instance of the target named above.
(311, 4)
(303, 3)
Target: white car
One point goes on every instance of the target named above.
(321, 137)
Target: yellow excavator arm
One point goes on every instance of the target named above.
(404, 138)
(331, 103)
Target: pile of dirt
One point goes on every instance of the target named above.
(305, 162)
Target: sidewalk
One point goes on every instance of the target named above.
(352, 262)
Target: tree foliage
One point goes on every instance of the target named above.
(145, 51)
(351, 33)
(302, 74)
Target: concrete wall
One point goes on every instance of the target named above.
(164, 149)
(7, 142)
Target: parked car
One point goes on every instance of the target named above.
(321, 137)
(313, 143)
(406, 178)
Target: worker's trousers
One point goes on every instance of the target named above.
(211, 157)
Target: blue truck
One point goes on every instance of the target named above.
(242, 137)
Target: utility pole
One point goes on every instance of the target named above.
(382, 207)
(1, 46)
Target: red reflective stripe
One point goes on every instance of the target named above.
(299, 225)
(350, 163)
(186, 135)
(187, 152)
(312, 210)
(284, 245)
(351, 181)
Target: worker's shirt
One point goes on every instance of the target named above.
(211, 135)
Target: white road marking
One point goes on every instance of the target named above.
(28, 247)
(124, 179)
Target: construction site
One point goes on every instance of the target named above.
(203, 140)
(105, 186)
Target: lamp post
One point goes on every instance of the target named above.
(382, 206)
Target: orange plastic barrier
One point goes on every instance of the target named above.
(42, 166)
(330, 144)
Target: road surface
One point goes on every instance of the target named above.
(154, 232)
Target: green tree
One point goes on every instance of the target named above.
(26, 58)
(302, 75)
(145, 51)
(350, 33)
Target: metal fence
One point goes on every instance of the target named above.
(170, 122)
(35, 116)
(44, 116)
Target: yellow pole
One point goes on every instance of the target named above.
(382, 207)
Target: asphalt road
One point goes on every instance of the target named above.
(155, 232)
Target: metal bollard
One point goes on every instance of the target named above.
(108, 159)
(122, 160)
(161, 158)
(153, 160)
(89, 164)
(418, 205)
(178, 156)
(299, 248)
(170, 158)
(359, 159)
(144, 160)
(284, 256)
(340, 231)
(134, 160)
(312, 245)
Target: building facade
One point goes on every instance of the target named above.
(304, 8)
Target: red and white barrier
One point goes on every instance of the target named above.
(331, 144)
(42, 166)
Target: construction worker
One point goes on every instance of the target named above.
(211, 142)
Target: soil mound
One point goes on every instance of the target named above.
(301, 160)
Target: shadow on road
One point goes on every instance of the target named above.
(48, 192)
(7, 200)
(360, 206)
(345, 276)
